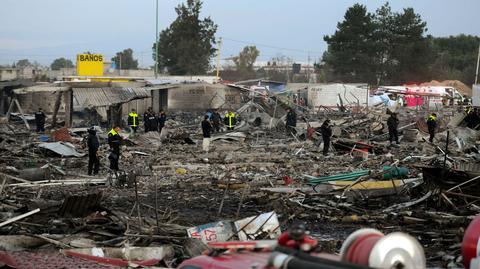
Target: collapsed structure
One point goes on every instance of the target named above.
(172, 199)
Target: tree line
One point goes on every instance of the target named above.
(389, 47)
(383, 47)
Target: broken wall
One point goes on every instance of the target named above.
(140, 105)
(194, 97)
(44, 97)
(328, 95)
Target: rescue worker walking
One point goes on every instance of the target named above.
(216, 121)
(133, 121)
(114, 141)
(326, 131)
(206, 130)
(230, 120)
(432, 124)
(40, 120)
(392, 124)
(93, 145)
(162, 118)
(291, 121)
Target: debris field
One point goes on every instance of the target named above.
(168, 184)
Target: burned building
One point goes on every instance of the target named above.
(198, 97)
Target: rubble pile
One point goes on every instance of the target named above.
(169, 188)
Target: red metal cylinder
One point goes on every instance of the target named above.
(359, 250)
(470, 243)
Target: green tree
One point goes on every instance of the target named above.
(246, 58)
(384, 48)
(351, 49)
(403, 52)
(60, 63)
(124, 60)
(23, 63)
(455, 58)
(187, 45)
(384, 37)
(411, 52)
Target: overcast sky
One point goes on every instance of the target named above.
(43, 30)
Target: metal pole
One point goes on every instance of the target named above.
(156, 42)
(218, 58)
(478, 62)
(156, 201)
(446, 150)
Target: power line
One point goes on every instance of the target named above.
(272, 47)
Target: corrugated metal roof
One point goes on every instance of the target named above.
(103, 97)
(61, 148)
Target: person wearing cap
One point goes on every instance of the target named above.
(432, 124)
(392, 124)
(114, 141)
(291, 121)
(40, 120)
(326, 131)
(93, 145)
(133, 120)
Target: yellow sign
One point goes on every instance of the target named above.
(90, 65)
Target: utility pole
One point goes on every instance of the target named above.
(120, 64)
(478, 62)
(218, 58)
(308, 68)
(156, 41)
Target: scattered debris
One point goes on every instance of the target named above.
(168, 186)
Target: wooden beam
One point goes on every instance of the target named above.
(19, 217)
(13, 102)
(15, 178)
(10, 108)
(68, 107)
(3, 185)
(21, 113)
(56, 107)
